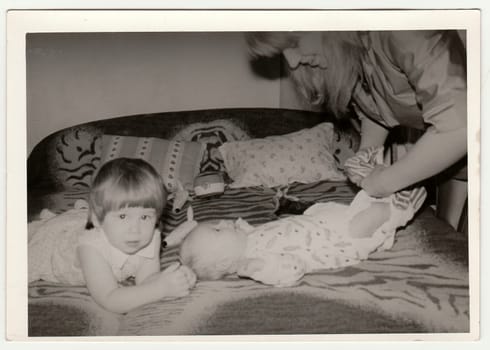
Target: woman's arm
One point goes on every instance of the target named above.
(373, 137)
(372, 134)
(434, 64)
(434, 152)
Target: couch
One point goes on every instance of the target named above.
(419, 286)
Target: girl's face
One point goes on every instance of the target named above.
(130, 229)
(309, 51)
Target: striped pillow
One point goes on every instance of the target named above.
(173, 160)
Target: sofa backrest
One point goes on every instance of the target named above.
(253, 122)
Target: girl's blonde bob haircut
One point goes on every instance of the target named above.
(126, 182)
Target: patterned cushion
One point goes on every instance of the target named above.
(346, 144)
(75, 154)
(79, 152)
(213, 134)
(174, 160)
(304, 156)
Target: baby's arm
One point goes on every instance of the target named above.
(102, 285)
(279, 270)
(392, 215)
(367, 221)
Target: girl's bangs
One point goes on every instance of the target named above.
(135, 196)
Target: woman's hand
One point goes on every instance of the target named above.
(375, 185)
(362, 164)
(433, 152)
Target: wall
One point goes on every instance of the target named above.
(81, 77)
(76, 78)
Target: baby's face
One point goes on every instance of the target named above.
(225, 232)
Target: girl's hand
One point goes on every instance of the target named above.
(189, 275)
(176, 281)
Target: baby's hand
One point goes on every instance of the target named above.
(176, 281)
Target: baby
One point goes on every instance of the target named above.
(279, 253)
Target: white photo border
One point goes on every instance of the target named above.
(19, 23)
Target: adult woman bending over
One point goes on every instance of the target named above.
(389, 78)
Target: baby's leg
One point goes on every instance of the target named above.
(393, 212)
(367, 221)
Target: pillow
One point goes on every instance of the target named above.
(213, 134)
(173, 160)
(304, 156)
(73, 156)
(346, 144)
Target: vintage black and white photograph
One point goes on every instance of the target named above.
(248, 182)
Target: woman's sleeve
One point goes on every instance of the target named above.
(435, 65)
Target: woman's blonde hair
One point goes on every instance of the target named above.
(126, 182)
(331, 87)
(269, 44)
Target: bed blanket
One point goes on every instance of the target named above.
(420, 285)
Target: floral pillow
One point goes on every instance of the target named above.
(304, 156)
(174, 160)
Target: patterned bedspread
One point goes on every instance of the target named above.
(420, 285)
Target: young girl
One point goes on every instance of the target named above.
(126, 200)
(279, 253)
(411, 78)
